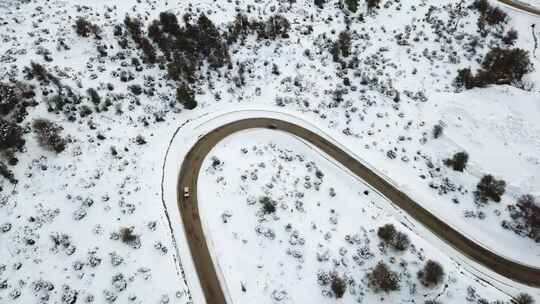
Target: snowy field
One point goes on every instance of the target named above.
(88, 225)
(325, 220)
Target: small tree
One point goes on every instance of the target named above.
(48, 134)
(338, 285)
(352, 5)
(387, 232)
(437, 130)
(489, 188)
(432, 274)
(381, 278)
(458, 162)
(185, 96)
(84, 27)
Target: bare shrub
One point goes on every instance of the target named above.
(432, 274)
(338, 285)
(381, 278)
(48, 134)
(10, 135)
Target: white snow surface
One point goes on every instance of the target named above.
(89, 194)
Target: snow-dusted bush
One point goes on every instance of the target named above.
(526, 217)
(84, 28)
(48, 135)
(10, 135)
(352, 5)
(338, 285)
(342, 47)
(185, 96)
(387, 232)
(373, 3)
(489, 188)
(8, 98)
(397, 239)
(437, 130)
(432, 274)
(382, 278)
(458, 162)
(268, 205)
(524, 298)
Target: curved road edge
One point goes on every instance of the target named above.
(522, 6)
(201, 255)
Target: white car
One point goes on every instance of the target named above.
(186, 192)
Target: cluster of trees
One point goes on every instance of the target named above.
(500, 66)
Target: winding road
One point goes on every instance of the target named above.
(206, 267)
(522, 6)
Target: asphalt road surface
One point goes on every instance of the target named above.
(206, 268)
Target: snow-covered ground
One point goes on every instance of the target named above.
(324, 221)
(60, 225)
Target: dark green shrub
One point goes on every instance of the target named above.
(352, 5)
(458, 162)
(185, 96)
(432, 274)
(387, 232)
(489, 188)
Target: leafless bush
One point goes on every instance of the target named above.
(48, 134)
(381, 278)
